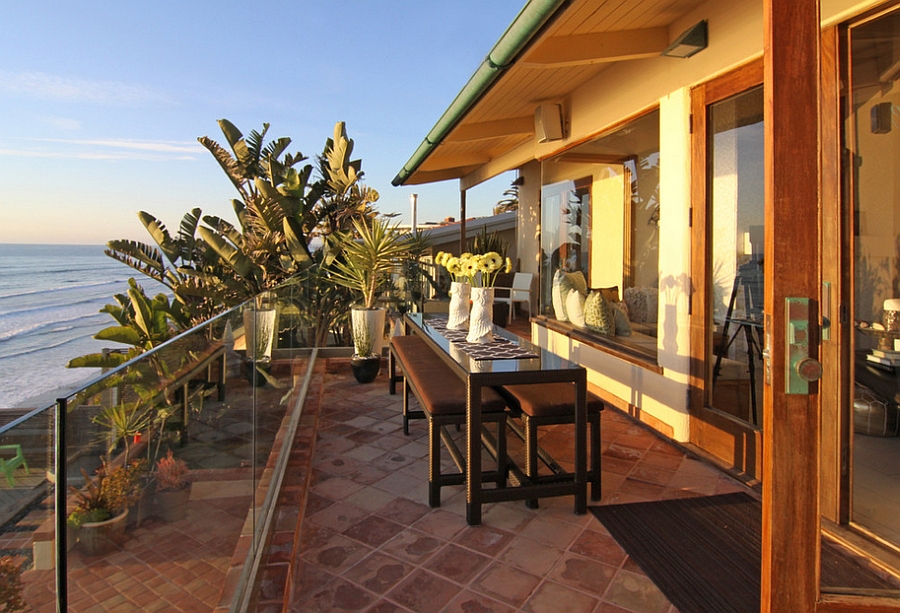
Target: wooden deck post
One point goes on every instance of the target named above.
(790, 504)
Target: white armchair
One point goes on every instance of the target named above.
(519, 292)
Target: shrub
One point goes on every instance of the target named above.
(10, 586)
(171, 473)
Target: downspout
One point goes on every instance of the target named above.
(517, 36)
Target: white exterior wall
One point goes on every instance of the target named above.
(619, 92)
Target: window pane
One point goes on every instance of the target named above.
(736, 196)
(874, 143)
(600, 223)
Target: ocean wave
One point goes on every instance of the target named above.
(59, 289)
(46, 347)
(94, 321)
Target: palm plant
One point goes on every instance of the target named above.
(367, 257)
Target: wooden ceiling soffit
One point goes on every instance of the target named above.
(598, 47)
(420, 177)
(485, 130)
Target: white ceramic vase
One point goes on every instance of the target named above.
(458, 317)
(481, 329)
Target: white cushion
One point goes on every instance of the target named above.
(575, 308)
(559, 307)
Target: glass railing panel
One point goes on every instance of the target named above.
(26, 492)
(215, 398)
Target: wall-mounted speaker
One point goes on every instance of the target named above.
(548, 124)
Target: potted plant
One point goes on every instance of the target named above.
(364, 263)
(101, 506)
(365, 363)
(130, 424)
(173, 489)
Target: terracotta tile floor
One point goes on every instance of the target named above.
(367, 540)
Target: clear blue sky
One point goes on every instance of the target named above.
(101, 103)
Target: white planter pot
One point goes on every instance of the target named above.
(259, 333)
(369, 322)
(481, 329)
(458, 317)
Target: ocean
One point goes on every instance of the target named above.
(50, 298)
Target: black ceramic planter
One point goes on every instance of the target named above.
(365, 369)
(252, 372)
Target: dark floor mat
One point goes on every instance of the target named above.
(704, 552)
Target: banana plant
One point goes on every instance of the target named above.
(183, 263)
(142, 324)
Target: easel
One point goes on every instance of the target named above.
(750, 278)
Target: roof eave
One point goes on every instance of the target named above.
(518, 35)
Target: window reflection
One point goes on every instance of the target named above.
(600, 235)
(736, 201)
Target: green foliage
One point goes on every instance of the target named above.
(142, 323)
(110, 493)
(510, 200)
(486, 242)
(123, 422)
(366, 258)
(285, 203)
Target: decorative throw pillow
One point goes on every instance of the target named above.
(610, 293)
(573, 281)
(598, 315)
(623, 326)
(559, 307)
(575, 307)
(637, 304)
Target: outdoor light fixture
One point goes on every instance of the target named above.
(690, 42)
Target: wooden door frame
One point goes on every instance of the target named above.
(716, 432)
(790, 489)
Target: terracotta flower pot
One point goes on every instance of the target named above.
(102, 537)
(172, 505)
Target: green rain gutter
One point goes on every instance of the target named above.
(520, 32)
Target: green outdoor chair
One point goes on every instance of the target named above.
(8, 465)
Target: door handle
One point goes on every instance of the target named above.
(801, 368)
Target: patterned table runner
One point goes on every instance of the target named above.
(500, 349)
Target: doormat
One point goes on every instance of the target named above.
(704, 552)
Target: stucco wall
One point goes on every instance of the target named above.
(619, 92)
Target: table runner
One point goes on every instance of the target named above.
(500, 349)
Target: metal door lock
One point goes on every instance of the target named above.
(808, 369)
(801, 368)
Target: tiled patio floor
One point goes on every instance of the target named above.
(367, 540)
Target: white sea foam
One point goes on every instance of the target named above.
(50, 297)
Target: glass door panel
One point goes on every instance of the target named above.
(873, 138)
(736, 216)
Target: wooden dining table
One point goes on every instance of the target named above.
(508, 360)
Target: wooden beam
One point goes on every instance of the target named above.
(441, 160)
(790, 501)
(513, 126)
(420, 177)
(599, 47)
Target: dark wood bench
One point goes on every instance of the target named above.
(442, 397)
(550, 404)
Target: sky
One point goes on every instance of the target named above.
(101, 103)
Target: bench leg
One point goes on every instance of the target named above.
(502, 460)
(595, 456)
(405, 406)
(531, 455)
(434, 463)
